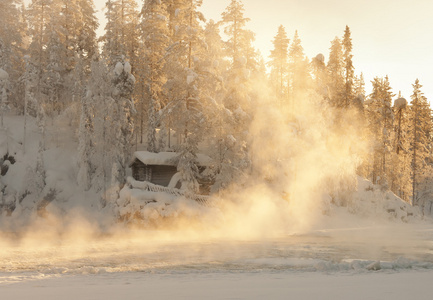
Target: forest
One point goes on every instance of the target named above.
(164, 78)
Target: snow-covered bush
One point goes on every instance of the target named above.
(371, 200)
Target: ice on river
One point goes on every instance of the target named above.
(373, 262)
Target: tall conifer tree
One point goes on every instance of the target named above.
(336, 73)
(155, 34)
(348, 68)
(380, 119)
(279, 59)
(421, 141)
(299, 72)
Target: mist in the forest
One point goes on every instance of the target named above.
(301, 162)
(304, 155)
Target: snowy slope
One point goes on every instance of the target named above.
(61, 192)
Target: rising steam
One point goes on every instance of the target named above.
(303, 158)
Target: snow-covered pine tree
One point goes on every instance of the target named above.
(140, 99)
(299, 71)
(217, 65)
(237, 101)
(359, 95)
(400, 173)
(380, 120)
(239, 43)
(79, 78)
(36, 177)
(40, 176)
(279, 61)
(121, 127)
(176, 62)
(181, 70)
(18, 94)
(155, 34)
(12, 36)
(60, 29)
(112, 48)
(79, 24)
(121, 32)
(94, 137)
(4, 86)
(87, 24)
(53, 77)
(131, 32)
(191, 88)
(319, 74)
(106, 128)
(173, 7)
(70, 15)
(387, 116)
(348, 68)
(30, 79)
(237, 48)
(336, 73)
(86, 133)
(215, 60)
(421, 130)
(39, 15)
(359, 85)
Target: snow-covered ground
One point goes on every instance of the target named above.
(260, 285)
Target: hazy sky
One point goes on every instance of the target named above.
(393, 38)
(390, 37)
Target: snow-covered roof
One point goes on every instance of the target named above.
(167, 158)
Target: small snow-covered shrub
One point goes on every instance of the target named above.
(372, 200)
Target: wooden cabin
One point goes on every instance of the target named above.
(161, 169)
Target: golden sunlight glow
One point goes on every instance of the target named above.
(303, 157)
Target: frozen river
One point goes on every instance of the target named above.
(375, 262)
(336, 250)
